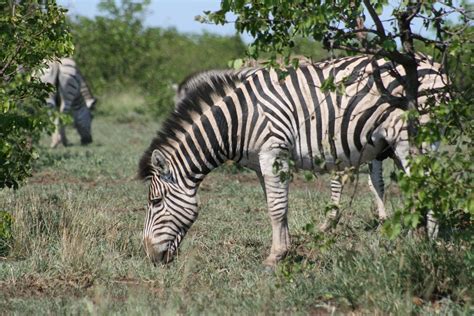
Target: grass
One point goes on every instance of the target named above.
(77, 244)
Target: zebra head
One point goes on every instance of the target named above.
(171, 211)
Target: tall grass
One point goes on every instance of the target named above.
(125, 106)
(77, 249)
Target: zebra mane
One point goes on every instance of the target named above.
(198, 99)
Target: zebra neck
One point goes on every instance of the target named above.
(213, 137)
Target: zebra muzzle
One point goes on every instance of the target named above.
(158, 253)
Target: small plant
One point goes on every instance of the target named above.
(6, 236)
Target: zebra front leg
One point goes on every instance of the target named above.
(59, 134)
(276, 192)
(334, 215)
(377, 186)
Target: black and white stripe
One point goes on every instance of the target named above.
(255, 118)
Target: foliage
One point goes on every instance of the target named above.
(107, 46)
(116, 52)
(30, 33)
(442, 181)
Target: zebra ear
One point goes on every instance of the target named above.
(159, 162)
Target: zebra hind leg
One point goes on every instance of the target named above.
(377, 186)
(82, 121)
(401, 153)
(334, 214)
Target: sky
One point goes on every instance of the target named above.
(163, 13)
(180, 14)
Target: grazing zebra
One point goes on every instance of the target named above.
(259, 120)
(71, 95)
(376, 182)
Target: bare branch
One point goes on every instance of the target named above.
(460, 31)
(438, 44)
(404, 23)
(352, 32)
(386, 95)
(375, 17)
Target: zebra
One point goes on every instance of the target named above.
(71, 95)
(259, 120)
(375, 178)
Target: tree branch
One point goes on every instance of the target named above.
(375, 17)
(415, 9)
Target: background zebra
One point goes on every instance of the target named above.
(71, 95)
(258, 121)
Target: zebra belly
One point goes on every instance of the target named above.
(323, 159)
(348, 143)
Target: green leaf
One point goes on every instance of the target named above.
(238, 63)
(328, 84)
(225, 5)
(389, 45)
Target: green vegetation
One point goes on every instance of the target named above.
(116, 52)
(29, 35)
(77, 244)
(6, 221)
(70, 239)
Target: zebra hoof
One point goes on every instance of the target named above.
(328, 226)
(86, 140)
(273, 259)
(270, 263)
(324, 227)
(55, 141)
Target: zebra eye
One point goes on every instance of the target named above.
(156, 201)
(166, 177)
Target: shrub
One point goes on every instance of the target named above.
(30, 33)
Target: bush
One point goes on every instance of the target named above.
(30, 34)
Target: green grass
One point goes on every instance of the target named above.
(77, 245)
